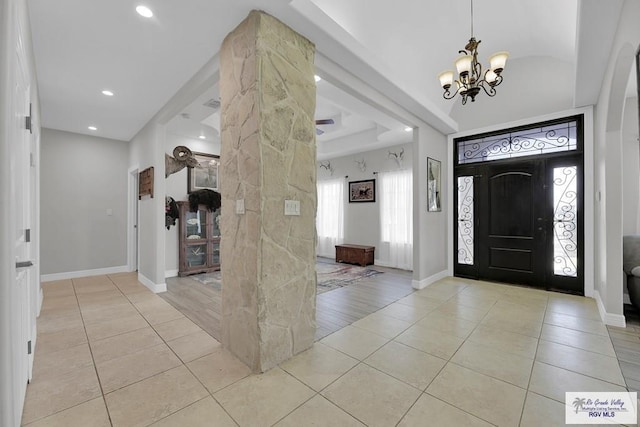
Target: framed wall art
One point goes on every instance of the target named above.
(205, 176)
(434, 185)
(362, 191)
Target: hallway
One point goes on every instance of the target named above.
(461, 352)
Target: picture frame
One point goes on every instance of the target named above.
(362, 191)
(434, 185)
(206, 176)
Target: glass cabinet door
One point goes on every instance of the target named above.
(196, 255)
(195, 224)
(215, 253)
(216, 224)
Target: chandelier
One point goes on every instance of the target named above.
(470, 75)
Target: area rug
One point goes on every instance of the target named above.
(330, 276)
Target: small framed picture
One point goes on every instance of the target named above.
(434, 184)
(205, 175)
(362, 191)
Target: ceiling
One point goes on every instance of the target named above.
(399, 47)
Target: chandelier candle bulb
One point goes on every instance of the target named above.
(498, 61)
(491, 77)
(446, 79)
(463, 64)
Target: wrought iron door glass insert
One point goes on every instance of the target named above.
(529, 142)
(465, 220)
(565, 221)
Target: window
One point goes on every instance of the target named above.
(396, 216)
(465, 220)
(330, 217)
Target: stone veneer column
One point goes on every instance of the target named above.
(268, 155)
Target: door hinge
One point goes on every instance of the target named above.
(27, 235)
(29, 347)
(29, 121)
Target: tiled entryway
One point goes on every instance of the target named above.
(459, 352)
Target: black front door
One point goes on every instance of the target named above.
(511, 234)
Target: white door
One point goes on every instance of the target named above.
(21, 197)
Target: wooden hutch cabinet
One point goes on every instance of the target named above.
(199, 240)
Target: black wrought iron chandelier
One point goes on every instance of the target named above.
(470, 75)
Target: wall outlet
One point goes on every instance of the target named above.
(292, 207)
(240, 207)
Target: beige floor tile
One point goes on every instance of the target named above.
(424, 304)
(61, 362)
(140, 297)
(595, 365)
(355, 342)
(553, 382)
(319, 366)
(504, 308)
(318, 411)
(542, 411)
(150, 400)
(434, 412)
(218, 370)
(271, 396)
(474, 300)
(495, 363)
(478, 395)
(451, 283)
(58, 393)
(518, 325)
(158, 311)
(508, 342)
(371, 396)
(58, 288)
(528, 304)
(82, 290)
(577, 323)
(132, 287)
(100, 314)
(382, 325)
(176, 328)
(194, 346)
(101, 299)
(442, 293)
(404, 312)
(89, 414)
(53, 341)
(57, 303)
(584, 340)
(117, 373)
(430, 341)
(448, 325)
(51, 323)
(585, 307)
(124, 344)
(407, 364)
(205, 412)
(110, 328)
(454, 309)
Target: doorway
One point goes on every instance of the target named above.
(520, 206)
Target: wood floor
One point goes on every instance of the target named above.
(626, 343)
(334, 309)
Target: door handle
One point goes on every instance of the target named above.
(24, 264)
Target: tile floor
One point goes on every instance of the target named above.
(467, 353)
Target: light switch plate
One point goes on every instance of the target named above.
(240, 207)
(292, 207)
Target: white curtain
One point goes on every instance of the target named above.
(396, 216)
(330, 217)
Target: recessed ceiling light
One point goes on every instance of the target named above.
(408, 129)
(93, 128)
(202, 137)
(317, 77)
(107, 92)
(144, 11)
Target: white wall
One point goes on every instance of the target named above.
(608, 166)
(82, 178)
(176, 187)
(630, 168)
(362, 220)
(521, 94)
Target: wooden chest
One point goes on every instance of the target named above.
(355, 254)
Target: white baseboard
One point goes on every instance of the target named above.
(170, 273)
(156, 288)
(83, 273)
(609, 318)
(421, 284)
